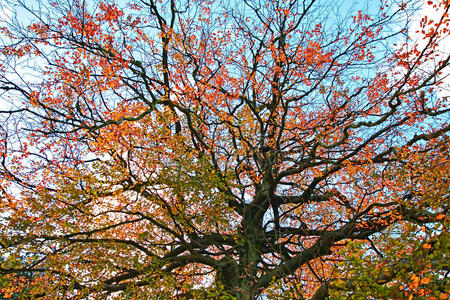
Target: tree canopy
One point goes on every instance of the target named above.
(278, 149)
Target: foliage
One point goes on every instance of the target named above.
(199, 149)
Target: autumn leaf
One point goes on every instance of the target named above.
(203, 150)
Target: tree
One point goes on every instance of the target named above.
(209, 150)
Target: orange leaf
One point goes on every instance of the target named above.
(440, 217)
(425, 280)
